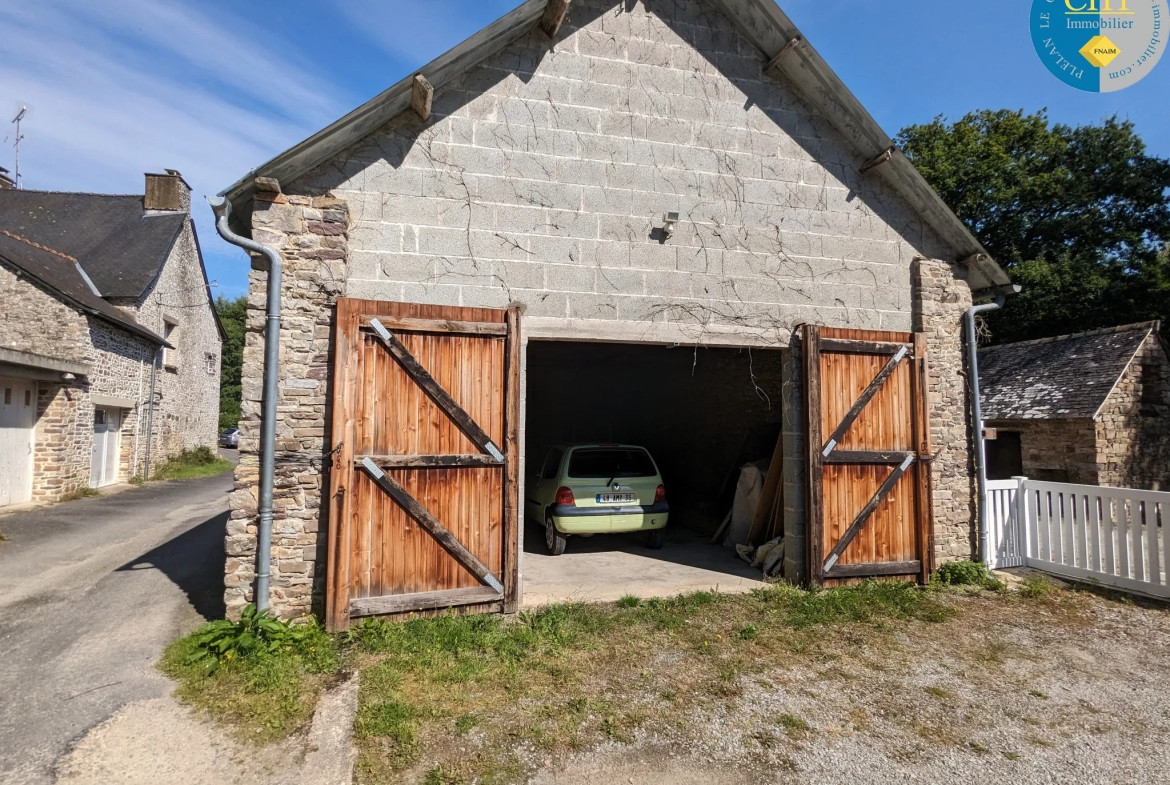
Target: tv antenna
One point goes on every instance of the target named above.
(16, 145)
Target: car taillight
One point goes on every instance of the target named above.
(660, 494)
(565, 496)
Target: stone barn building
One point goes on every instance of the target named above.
(97, 289)
(1091, 408)
(678, 226)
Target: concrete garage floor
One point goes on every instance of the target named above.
(605, 567)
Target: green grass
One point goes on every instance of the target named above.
(555, 680)
(871, 601)
(192, 464)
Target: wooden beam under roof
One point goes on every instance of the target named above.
(554, 16)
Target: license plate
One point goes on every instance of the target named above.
(615, 498)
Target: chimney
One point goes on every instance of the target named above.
(168, 192)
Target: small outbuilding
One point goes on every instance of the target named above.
(662, 222)
(1091, 408)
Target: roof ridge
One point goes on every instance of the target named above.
(38, 246)
(71, 193)
(1148, 325)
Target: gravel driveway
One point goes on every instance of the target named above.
(1069, 689)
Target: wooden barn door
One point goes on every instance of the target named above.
(869, 455)
(423, 487)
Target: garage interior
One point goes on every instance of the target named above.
(701, 413)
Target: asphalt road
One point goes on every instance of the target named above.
(91, 592)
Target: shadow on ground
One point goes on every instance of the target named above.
(194, 562)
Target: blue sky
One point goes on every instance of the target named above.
(214, 88)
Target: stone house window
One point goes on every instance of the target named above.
(209, 363)
(170, 358)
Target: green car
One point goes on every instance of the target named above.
(597, 489)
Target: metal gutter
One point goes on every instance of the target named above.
(977, 418)
(223, 209)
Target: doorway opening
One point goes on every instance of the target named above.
(700, 413)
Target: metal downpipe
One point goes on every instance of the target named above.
(977, 417)
(222, 209)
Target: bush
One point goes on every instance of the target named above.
(962, 573)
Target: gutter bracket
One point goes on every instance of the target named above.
(877, 160)
(554, 16)
(422, 95)
(792, 43)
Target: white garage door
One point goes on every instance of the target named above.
(18, 416)
(107, 444)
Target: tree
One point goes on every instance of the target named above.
(1079, 217)
(232, 314)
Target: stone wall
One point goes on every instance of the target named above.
(1055, 450)
(187, 413)
(1133, 425)
(311, 235)
(120, 363)
(33, 320)
(941, 299)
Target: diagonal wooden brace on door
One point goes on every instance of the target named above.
(437, 394)
(419, 513)
(863, 400)
(867, 511)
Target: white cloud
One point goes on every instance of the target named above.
(118, 89)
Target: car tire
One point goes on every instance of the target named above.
(655, 539)
(553, 539)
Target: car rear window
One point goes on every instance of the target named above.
(606, 462)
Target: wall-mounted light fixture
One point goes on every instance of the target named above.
(671, 220)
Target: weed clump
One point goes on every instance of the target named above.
(192, 464)
(962, 573)
(260, 673)
(1035, 588)
(84, 492)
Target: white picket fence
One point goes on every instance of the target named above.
(1111, 536)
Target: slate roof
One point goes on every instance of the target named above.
(1063, 378)
(61, 275)
(121, 248)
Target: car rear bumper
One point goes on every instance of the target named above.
(598, 520)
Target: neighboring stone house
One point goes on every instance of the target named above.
(1091, 408)
(96, 290)
(538, 164)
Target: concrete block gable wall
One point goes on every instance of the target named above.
(545, 173)
(543, 177)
